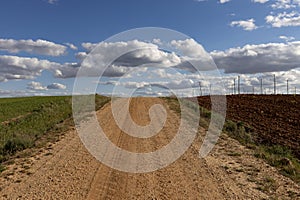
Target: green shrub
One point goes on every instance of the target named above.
(2, 168)
(239, 132)
(240, 124)
(205, 113)
(230, 126)
(279, 150)
(16, 144)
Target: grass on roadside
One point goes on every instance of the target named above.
(276, 155)
(281, 158)
(25, 122)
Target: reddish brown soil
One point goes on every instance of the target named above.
(274, 118)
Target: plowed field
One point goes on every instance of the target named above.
(275, 118)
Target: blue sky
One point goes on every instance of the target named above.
(258, 32)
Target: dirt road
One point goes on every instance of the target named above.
(65, 170)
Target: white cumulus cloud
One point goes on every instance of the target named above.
(259, 58)
(260, 1)
(36, 86)
(42, 47)
(286, 38)
(247, 25)
(15, 67)
(56, 86)
(224, 1)
(33, 85)
(285, 4)
(284, 19)
(71, 46)
(121, 57)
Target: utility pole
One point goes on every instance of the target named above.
(295, 90)
(234, 87)
(261, 86)
(239, 82)
(209, 89)
(274, 84)
(253, 90)
(200, 88)
(287, 86)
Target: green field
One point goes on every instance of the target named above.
(23, 121)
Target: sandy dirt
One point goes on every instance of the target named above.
(66, 170)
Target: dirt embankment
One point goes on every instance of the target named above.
(65, 170)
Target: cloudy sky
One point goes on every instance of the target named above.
(44, 43)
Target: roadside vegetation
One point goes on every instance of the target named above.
(278, 156)
(33, 121)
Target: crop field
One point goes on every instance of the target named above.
(24, 120)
